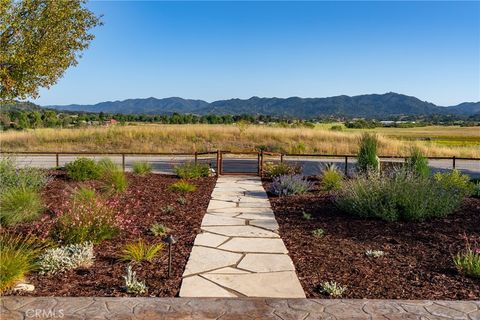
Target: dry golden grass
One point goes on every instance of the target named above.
(190, 138)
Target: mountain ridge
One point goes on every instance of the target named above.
(368, 105)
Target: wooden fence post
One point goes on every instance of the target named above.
(454, 164)
(218, 163)
(346, 166)
(123, 162)
(57, 160)
(261, 164)
(281, 157)
(196, 157)
(258, 164)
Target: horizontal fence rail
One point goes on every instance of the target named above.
(217, 159)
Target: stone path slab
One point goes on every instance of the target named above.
(239, 252)
(109, 308)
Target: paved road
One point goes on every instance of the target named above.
(166, 164)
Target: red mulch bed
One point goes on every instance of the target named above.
(139, 207)
(418, 256)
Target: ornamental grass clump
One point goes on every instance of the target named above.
(367, 159)
(20, 204)
(140, 251)
(87, 220)
(182, 186)
(142, 167)
(290, 185)
(418, 163)
(20, 199)
(192, 170)
(112, 176)
(331, 178)
(17, 256)
(65, 258)
(403, 195)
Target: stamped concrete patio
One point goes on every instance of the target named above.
(239, 252)
(87, 308)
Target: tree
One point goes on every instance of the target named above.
(39, 40)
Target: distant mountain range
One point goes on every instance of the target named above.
(368, 106)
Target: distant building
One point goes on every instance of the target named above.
(110, 122)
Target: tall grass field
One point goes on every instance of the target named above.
(432, 141)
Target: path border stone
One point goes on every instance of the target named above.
(239, 252)
(88, 308)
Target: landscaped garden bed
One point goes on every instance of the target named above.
(403, 234)
(417, 261)
(146, 200)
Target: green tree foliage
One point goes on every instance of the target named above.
(39, 40)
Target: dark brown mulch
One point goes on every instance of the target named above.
(139, 207)
(418, 256)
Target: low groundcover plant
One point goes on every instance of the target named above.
(65, 258)
(132, 284)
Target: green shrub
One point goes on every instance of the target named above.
(142, 167)
(367, 159)
(331, 178)
(417, 163)
(468, 261)
(192, 170)
(86, 221)
(476, 189)
(65, 258)
(83, 169)
(182, 186)
(139, 251)
(401, 196)
(290, 185)
(11, 177)
(17, 256)
(159, 230)
(455, 182)
(271, 169)
(19, 204)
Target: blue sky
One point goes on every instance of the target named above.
(221, 50)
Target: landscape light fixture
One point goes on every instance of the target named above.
(170, 241)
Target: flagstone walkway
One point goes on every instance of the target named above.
(239, 252)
